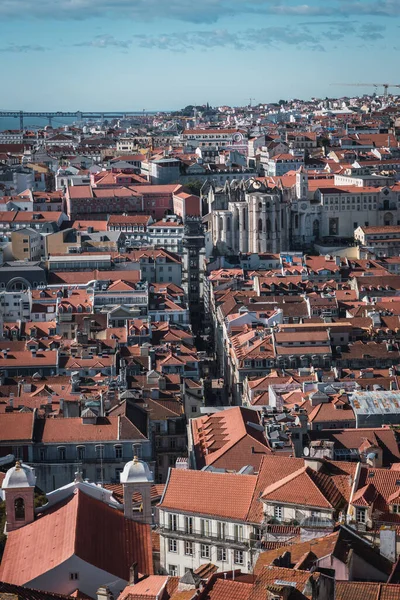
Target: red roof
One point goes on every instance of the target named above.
(209, 493)
(16, 426)
(229, 439)
(83, 526)
(75, 430)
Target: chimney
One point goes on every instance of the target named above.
(5, 352)
(133, 574)
(33, 352)
(103, 593)
(152, 357)
(387, 546)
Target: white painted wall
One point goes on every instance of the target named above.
(90, 578)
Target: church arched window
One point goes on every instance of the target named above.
(19, 509)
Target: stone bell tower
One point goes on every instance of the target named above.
(136, 479)
(19, 490)
(301, 184)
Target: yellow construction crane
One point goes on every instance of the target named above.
(385, 86)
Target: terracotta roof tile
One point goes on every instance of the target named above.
(209, 493)
(226, 589)
(8, 590)
(74, 430)
(229, 439)
(362, 590)
(107, 540)
(16, 426)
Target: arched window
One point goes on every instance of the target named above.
(137, 502)
(19, 509)
(268, 225)
(244, 220)
(388, 219)
(228, 224)
(260, 225)
(137, 450)
(260, 205)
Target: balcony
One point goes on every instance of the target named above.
(37, 463)
(194, 535)
(170, 450)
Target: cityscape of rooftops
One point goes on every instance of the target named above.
(199, 300)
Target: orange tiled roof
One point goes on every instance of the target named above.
(209, 493)
(228, 439)
(107, 540)
(362, 590)
(74, 430)
(307, 488)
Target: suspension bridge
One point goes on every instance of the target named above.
(78, 115)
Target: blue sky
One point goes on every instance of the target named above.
(164, 54)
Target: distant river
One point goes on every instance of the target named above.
(13, 123)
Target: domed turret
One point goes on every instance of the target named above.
(136, 479)
(19, 490)
(20, 476)
(136, 471)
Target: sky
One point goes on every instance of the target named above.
(164, 54)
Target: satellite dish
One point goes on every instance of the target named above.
(257, 184)
(306, 451)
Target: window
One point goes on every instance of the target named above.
(205, 526)
(173, 545)
(396, 508)
(188, 524)
(238, 557)
(173, 522)
(238, 529)
(42, 454)
(173, 570)
(80, 452)
(205, 551)
(99, 451)
(61, 453)
(221, 554)
(221, 530)
(118, 451)
(189, 548)
(137, 450)
(361, 515)
(19, 509)
(278, 512)
(73, 576)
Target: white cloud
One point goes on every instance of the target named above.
(203, 11)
